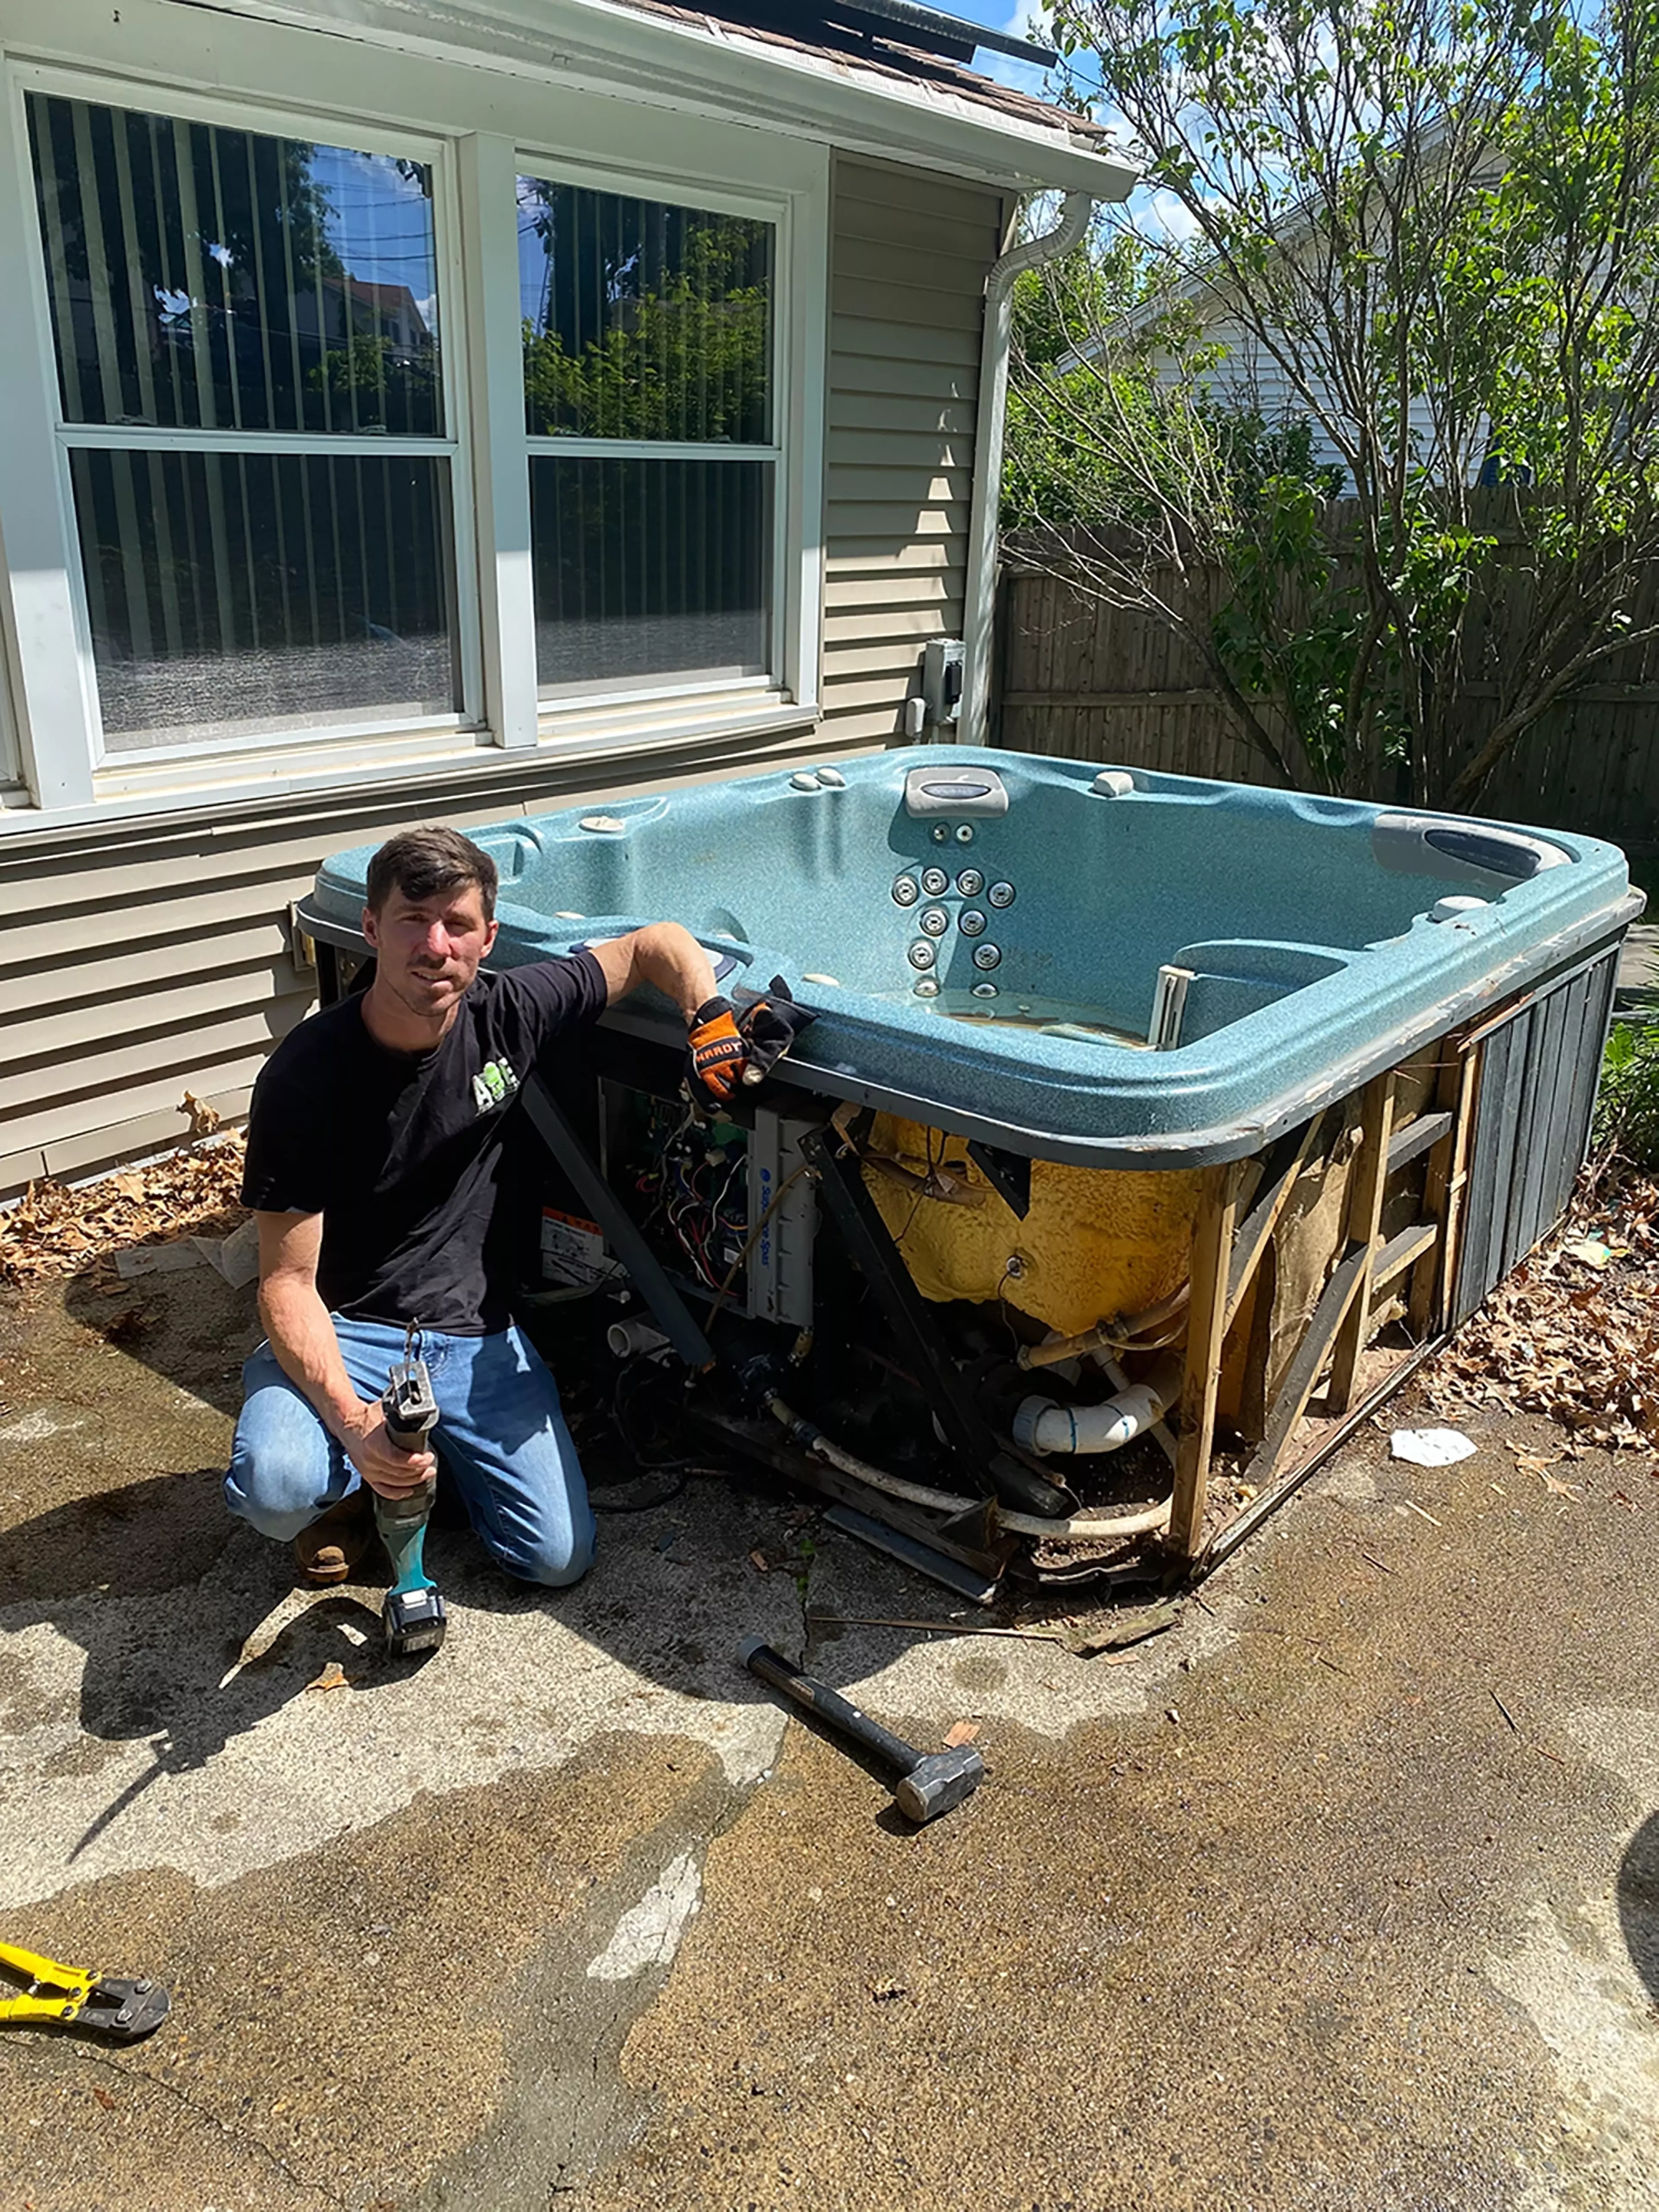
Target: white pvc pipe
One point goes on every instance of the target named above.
(626, 1338)
(1080, 1529)
(812, 1439)
(1086, 1527)
(982, 585)
(1125, 1335)
(1044, 1425)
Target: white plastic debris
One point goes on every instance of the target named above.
(235, 1257)
(1594, 1252)
(1430, 1447)
(157, 1259)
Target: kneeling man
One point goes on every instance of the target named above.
(374, 1157)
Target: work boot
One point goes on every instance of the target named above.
(332, 1548)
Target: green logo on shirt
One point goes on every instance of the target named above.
(494, 1085)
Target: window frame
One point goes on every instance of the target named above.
(556, 708)
(473, 125)
(239, 114)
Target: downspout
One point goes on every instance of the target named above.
(981, 590)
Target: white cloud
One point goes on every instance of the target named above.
(1163, 213)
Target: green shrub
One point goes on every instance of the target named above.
(1627, 1107)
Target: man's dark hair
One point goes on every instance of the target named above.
(423, 863)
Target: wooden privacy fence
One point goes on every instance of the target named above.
(1089, 682)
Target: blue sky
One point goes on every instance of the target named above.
(1020, 21)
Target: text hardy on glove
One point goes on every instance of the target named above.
(717, 1051)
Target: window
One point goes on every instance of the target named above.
(10, 766)
(351, 449)
(251, 384)
(648, 380)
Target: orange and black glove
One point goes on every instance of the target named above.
(717, 1051)
(768, 1028)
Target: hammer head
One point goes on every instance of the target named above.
(936, 1782)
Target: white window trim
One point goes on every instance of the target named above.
(266, 77)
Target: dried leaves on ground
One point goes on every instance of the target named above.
(58, 1229)
(1573, 1340)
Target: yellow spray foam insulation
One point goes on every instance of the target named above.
(1098, 1242)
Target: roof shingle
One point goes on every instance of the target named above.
(882, 57)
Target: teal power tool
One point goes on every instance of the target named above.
(413, 1615)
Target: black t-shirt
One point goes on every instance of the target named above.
(402, 1152)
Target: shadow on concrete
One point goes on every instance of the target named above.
(194, 1633)
(184, 1685)
(192, 1328)
(1638, 1903)
(228, 1637)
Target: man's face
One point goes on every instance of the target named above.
(428, 950)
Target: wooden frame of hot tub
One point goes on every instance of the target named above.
(1439, 1177)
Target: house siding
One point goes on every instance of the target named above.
(140, 962)
(1249, 376)
(909, 258)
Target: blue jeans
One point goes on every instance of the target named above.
(500, 1439)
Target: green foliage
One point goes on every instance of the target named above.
(1627, 1105)
(370, 372)
(1433, 226)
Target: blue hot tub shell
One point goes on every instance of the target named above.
(981, 934)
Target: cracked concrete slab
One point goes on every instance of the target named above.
(1343, 1894)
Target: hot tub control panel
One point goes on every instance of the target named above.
(962, 793)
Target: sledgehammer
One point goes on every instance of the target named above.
(925, 1783)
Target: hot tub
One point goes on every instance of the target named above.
(1130, 1096)
(983, 934)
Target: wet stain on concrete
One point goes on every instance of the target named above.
(1250, 1959)
(387, 2022)
(1339, 1898)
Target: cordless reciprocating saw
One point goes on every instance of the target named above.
(413, 1615)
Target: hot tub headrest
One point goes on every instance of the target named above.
(1456, 851)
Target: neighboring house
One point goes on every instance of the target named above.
(418, 411)
(1250, 374)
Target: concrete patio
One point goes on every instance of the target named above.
(1343, 1894)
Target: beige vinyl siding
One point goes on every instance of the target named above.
(140, 962)
(909, 254)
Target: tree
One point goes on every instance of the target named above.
(1425, 231)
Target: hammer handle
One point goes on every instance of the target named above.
(838, 1714)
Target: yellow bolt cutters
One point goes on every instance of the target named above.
(72, 1997)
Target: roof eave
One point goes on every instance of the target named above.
(718, 70)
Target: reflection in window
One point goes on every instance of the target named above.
(234, 593)
(647, 324)
(643, 321)
(649, 569)
(206, 278)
